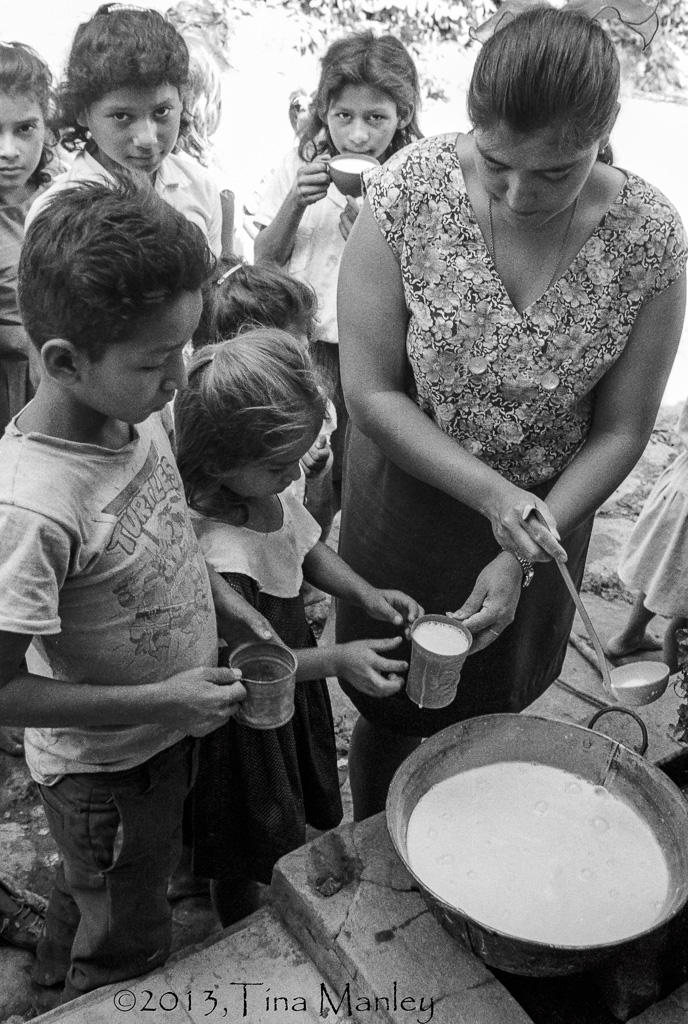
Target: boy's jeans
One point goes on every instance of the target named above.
(119, 836)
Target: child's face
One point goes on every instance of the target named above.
(133, 127)
(22, 134)
(139, 376)
(272, 476)
(362, 120)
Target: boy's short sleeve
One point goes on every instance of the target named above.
(34, 561)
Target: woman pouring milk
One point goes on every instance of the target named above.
(510, 305)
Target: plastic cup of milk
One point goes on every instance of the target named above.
(439, 645)
(268, 672)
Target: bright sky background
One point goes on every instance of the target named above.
(651, 137)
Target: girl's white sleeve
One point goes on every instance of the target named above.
(276, 189)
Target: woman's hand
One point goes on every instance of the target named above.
(312, 182)
(491, 605)
(391, 606)
(524, 525)
(361, 663)
(348, 217)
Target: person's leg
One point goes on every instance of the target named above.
(670, 647)
(54, 950)
(235, 898)
(634, 637)
(374, 756)
(120, 838)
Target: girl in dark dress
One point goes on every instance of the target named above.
(251, 411)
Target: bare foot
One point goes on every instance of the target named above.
(12, 740)
(621, 646)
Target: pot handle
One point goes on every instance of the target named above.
(620, 709)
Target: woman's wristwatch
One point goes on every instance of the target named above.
(527, 568)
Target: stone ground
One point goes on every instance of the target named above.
(28, 854)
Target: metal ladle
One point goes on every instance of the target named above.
(636, 682)
(592, 633)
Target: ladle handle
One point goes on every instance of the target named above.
(592, 633)
(602, 661)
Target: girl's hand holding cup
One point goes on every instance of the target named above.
(317, 458)
(392, 606)
(312, 182)
(362, 664)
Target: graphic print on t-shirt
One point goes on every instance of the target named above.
(165, 587)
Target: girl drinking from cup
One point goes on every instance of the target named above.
(252, 409)
(510, 307)
(366, 103)
(121, 107)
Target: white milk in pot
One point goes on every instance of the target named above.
(538, 853)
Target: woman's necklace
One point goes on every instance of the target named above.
(562, 247)
(520, 386)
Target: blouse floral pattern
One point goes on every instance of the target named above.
(516, 389)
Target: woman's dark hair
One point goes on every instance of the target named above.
(118, 47)
(547, 68)
(381, 62)
(24, 73)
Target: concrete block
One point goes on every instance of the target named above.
(359, 915)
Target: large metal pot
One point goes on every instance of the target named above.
(591, 755)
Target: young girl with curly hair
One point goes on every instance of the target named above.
(121, 106)
(252, 409)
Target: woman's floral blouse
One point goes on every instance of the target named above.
(515, 389)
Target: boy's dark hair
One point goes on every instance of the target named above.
(24, 73)
(240, 296)
(116, 48)
(100, 258)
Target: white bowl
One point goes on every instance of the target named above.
(639, 682)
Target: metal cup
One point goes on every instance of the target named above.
(268, 672)
(434, 674)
